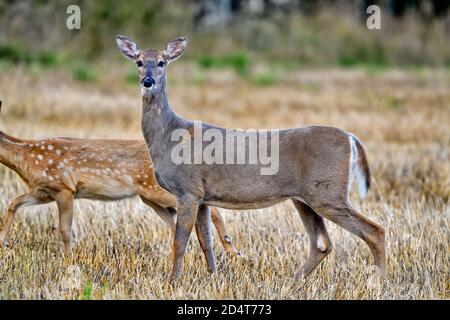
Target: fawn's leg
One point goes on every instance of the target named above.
(187, 212)
(22, 201)
(167, 215)
(203, 229)
(64, 200)
(320, 244)
(354, 222)
(227, 244)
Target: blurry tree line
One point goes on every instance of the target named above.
(207, 12)
(310, 32)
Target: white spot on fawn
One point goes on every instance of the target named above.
(50, 147)
(60, 165)
(50, 161)
(51, 178)
(40, 157)
(58, 152)
(128, 179)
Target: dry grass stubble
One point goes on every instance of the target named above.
(123, 249)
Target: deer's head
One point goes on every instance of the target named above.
(151, 64)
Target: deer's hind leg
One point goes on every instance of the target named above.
(320, 244)
(354, 222)
(23, 201)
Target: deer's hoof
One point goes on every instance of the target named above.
(4, 244)
(234, 253)
(300, 275)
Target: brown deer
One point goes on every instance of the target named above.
(315, 168)
(64, 169)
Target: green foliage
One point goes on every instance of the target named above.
(83, 72)
(265, 79)
(132, 77)
(239, 61)
(357, 49)
(309, 86)
(4, 65)
(48, 59)
(199, 79)
(392, 102)
(87, 294)
(15, 53)
(372, 69)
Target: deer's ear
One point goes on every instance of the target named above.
(127, 47)
(175, 48)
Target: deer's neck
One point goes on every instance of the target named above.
(158, 121)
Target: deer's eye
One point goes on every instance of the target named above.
(139, 63)
(161, 64)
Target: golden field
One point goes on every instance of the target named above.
(123, 250)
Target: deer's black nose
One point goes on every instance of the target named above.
(148, 82)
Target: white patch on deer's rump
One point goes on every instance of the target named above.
(321, 243)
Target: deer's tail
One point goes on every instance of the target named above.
(359, 166)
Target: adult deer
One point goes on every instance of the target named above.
(316, 165)
(64, 169)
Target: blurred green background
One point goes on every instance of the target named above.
(256, 39)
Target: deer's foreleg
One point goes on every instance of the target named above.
(64, 200)
(187, 213)
(22, 201)
(203, 229)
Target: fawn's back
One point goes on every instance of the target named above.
(92, 169)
